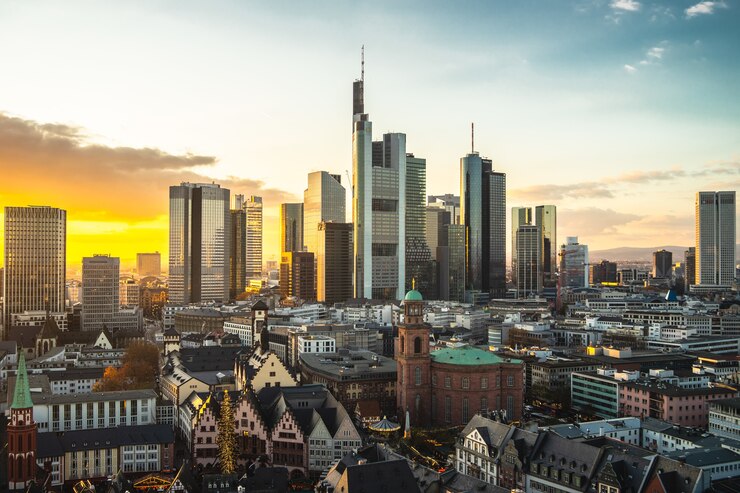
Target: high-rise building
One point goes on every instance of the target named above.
(237, 252)
(437, 219)
(334, 263)
(378, 207)
(483, 212)
(35, 260)
(291, 227)
(296, 275)
(451, 263)
(528, 266)
(603, 272)
(662, 264)
(520, 216)
(546, 218)
(100, 291)
(148, 264)
(448, 202)
(574, 264)
(200, 242)
(323, 200)
(420, 268)
(690, 269)
(715, 238)
(253, 207)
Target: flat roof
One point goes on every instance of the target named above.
(117, 395)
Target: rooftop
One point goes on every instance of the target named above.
(118, 395)
(469, 356)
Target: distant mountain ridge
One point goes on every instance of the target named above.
(639, 254)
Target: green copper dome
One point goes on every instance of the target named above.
(413, 295)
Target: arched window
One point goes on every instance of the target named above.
(417, 376)
(403, 349)
(465, 383)
(417, 345)
(46, 347)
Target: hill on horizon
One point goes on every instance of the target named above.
(637, 254)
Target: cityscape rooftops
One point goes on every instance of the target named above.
(118, 395)
(350, 365)
(468, 356)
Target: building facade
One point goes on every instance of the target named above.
(324, 200)
(100, 291)
(715, 238)
(237, 252)
(529, 273)
(574, 264)
(334, 262)
(420, 267)
(662, 264)
(253, 266)
(547, 219)
(200, 239)
(148, 264)
(35, 260)
(297, 275)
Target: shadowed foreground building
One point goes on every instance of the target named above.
(334, 262)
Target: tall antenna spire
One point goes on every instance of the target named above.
(472, 137)
(362, 74)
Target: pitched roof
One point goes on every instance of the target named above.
(22, 392)
(50, 329)
(24, 336)
(393, 476)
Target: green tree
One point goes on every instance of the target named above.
(226, 438)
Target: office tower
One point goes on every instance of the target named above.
(603, 272)
(451, 263)
(437, 219)
(237, 251)
(690, 267)
(529, 268)
(100, 295)
(546, 218)
(520, 216)
(200, 242)
(420, 268)
(35, 260)
(148, 264)
(323, 200)
(378, 207)
(715, 238)
(662, 264)
(129, 292)
(574, 264)
(483, 212)
(448, 202)
(334, 263)
(296, 275)
(237, 201)
(253, 207)
(291, 227)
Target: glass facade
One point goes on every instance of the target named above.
(323, 200)
(574, 264)
(520, 216)
(291, 227)
(715, 238)
(35, 260)
(419, 262)
(253, 207)
(546, 218)
(334, 262)
(238, 253)
(529, 269)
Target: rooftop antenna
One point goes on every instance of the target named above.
(362, 74)
(472, 137)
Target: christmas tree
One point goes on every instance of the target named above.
(226, 438)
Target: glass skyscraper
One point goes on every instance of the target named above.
(528, 264)
(323, 200)
(35, 260)
(520, 216)
(546, 218)
(238, 252)
(574, 264)
(200, 239)
(253, 207)
(291, 227)
(715, 238)
(483, 213)
(420, 266)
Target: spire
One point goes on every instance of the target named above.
(22, 393)
(472, 137)
(362, 72)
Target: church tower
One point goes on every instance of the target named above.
(413, 385)
(21, 432)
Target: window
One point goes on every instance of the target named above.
(434, 379)
(484, 404)
(484, 382)
(417, 376)
(448, 382)
(510, 381)
(465, 410)
(510, 407)
(448, 409)
(417, 345)
(465, 384)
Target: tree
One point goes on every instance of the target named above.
(226, 438)
(139, 368)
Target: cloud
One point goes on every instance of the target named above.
(626, 5)
(630, 69)
(656, 52)
(703, 8)
(557, 192)
(654, 55)
(592, 221)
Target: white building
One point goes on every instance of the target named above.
(310, 344)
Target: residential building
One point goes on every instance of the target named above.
(35, 265)
(715, 238)
(483, 213)
(324, 200)
(200, 242)
(724, 418)
(480, 447)
(253, 207)
(148, 264)
(334, 262)
(297, 275)
(291, 227)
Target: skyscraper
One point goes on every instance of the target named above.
(334, 263)
(662, 264)
(35, 260)
(574, 264)
(520, 216)
(323, 200)
(200, 241)
(297, 275)
(715, 238)
(378, 207)
(546, 218)
(690, 269)
(529, 267)
(437, 219)
(253, 207)
(100, 291)
(483, 212)
(448, 202)
(420, 266)
(149, 264)
(291, 227)
(237, 252)
(451, 263)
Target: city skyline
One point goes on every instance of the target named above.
(543, 126)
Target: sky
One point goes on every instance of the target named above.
(616, 111)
